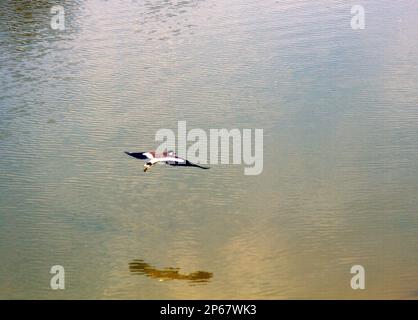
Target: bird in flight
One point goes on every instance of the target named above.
(169, 158)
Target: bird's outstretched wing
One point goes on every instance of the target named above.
(140, 155)
(186, 163)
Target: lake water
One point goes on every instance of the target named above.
(339, 110)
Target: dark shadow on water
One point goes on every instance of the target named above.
(139, 267)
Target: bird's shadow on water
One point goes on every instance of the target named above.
(140, 267)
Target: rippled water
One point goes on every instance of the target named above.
(339, 110)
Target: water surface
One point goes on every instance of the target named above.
(339, 110)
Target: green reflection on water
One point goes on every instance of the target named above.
(138, 266)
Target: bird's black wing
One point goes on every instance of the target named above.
(186, 164)
(138, 155)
